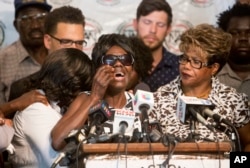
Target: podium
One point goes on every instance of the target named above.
(147, 155)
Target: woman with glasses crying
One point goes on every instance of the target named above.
(205, 51)
(113, 58)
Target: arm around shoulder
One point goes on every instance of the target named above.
(20, 103)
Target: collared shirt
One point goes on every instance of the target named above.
(228, 103)
(15, 63)
(230, 78)
(164, 72)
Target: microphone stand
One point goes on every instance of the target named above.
(192, 128)
(145, 132)
(145, 122)
(232, 133)
(192, 135)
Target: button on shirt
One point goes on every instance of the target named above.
(165, 71)
(15, 63)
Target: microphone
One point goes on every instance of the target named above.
(217, 117)
(64, 157)
(184, 102)
(102, 138)
(143, 102)
(98, 114)
(123, 125)
(200, 118)
(155, 130)
(123, 122)
(186, 106)
(230, 132)
(141, 86)
(69, 149)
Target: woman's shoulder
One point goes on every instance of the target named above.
(228, 96)
(171, 89)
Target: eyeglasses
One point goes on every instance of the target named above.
(68, 43)
(126, 59)
(27, 19)
(194, 63)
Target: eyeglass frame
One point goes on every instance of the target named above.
(117, 59)
(25, 18)
(202, 64)
(63, 41)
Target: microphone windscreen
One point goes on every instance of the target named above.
(142, 86)
(124, 116)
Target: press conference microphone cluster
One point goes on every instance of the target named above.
(231, 132)
(102, 138)
(187, 107)
(217, 117)
(69, 149)
(65, 157)
(200, 108)
(200, 118)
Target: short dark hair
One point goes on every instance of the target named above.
(64, 14)
(237, 10)
(64, 74)
(148, 6)
(105, 42)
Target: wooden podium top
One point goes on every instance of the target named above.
(204, 147)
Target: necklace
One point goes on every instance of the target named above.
(205, 94)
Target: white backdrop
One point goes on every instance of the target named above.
(109, 16)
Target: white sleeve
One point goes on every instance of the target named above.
(39, 121)
(6, 133)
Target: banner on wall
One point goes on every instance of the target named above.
(116, 16)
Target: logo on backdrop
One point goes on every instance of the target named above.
(92, 32)
(172, 40)
(202, 3)
(2, 33)
(126, 28)
(108, 2)
(59, 2)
